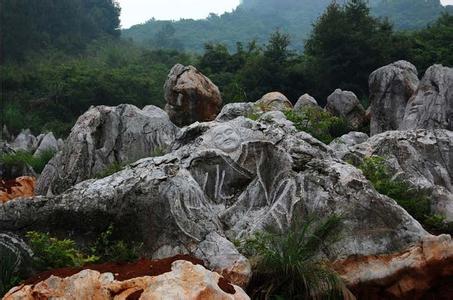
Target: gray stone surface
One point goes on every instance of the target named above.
(342, 145)
(24, 141)
(191, 96)
(47, 143)
(17, 252)
(431, 107)
(305, 101)
(345, 104)
(104, 136)
(391, 87)
(233, 110)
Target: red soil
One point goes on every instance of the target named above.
(125, 271)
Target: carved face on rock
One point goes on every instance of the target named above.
(225, 138)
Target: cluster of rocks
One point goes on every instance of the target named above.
(226, 177)
(26, 141)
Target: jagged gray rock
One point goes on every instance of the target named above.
(342, 145)
(423, 158)
(391, 87)
(231, 179)
(104, 136)
(47, 143)
(431, 107)
(191, 96)
(25, 141)
(305, 101)
(233, 110)
(345, 104)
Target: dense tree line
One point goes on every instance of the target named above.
(30, 26)
(257, 19)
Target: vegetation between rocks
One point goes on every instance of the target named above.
(22, 159)
(8, 277)
(288, 266)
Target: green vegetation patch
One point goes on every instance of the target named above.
(22, 158)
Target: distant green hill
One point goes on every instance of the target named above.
(256, 19)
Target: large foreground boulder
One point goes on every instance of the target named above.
(185, 281)
(346, 105)
(391, 87)
(190, 96)
(106, 136)
(431, 107)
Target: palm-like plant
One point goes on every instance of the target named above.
(8, 277)
(288, 265)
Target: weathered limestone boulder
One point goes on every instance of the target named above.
(24, 141)
(342, 145)
(274, 101)
(185, 281)
(104, 136)
(14, 250)
(305, 101)
(423, 158)
(233, 110)
(423, 271)
(20, 187)
(48, 142)
(345, 104)
(431, 107)
(191, 96)
(391, 87)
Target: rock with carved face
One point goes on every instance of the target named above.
(191, 96)
(431, 107)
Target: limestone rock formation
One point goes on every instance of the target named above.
(431, 107)
(191, 96)
(104, 136)
(274, 101)
(47, 142)
(305, 101)
(391, 87)
(20, 187)
(233, 110)
(418, 272)
(17, 252)
(342, 145)
(185, 281)
(345, 104)
(24, 141)
(423, 158)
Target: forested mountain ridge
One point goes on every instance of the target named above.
(257, 19)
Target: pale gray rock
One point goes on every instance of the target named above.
(423, 158)
(233, 110)
(391, 87)
(274, 101)
(431, 107)
(191, 96)
(104, 136)
(47, 143)
(305, 101)
(342, 145)
(346, 105)
(25, 141)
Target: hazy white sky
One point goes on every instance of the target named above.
(139, 11)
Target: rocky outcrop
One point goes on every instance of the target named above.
(423, 158)
(105, 136)
(185, 281)
(20, 187)
(342, 145)
(274, 101)
(391, 87)
(24, 141)
(346, 105)
(47, 142)
(191, 96)
(233, 110)
(423, 271)
(431, 107)
(305, 101)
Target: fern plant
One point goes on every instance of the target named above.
(287, 265)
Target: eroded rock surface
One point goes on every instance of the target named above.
(431, 107)
(185, 281)
(48, 142)
(345, 104)
(391, 87)
(191, 96)
(274, 101)
(24, 141)
(305, 101)
(105, 136)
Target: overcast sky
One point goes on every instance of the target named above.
(138, 11)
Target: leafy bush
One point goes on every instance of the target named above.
(8, 278)
(108, 249)
(52, 253)
(319, 123)
(110, 170)
(415, 202)
(22, 158)
(287, 265)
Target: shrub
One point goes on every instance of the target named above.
(287, 264)
(108, 249)
(8, 278)
(52, 253)
(415, 202)
(319, 123)
(20, 159)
